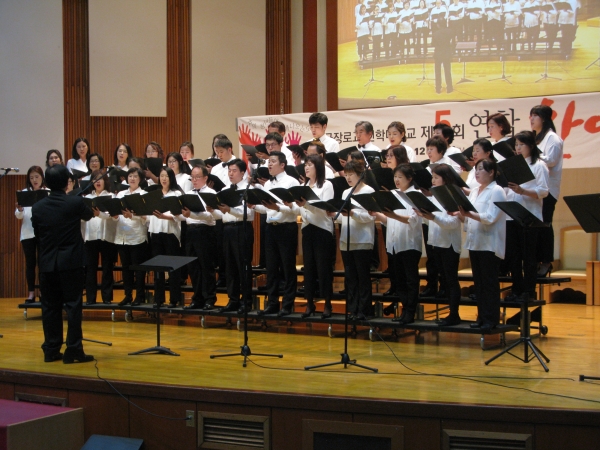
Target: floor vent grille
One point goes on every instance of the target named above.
(232, 431)
(483, 440)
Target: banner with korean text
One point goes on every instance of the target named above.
(577, 120)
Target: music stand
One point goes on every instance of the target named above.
(596, 61)
(160, 263)
(545, 76)
(462, 46)
(346, 361)
(524, 218)
(504, 77)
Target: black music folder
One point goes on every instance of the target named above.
(343, 154)
(333, 158)
(516, 170)
(586, 209)
(29, 198)
(154, 165)
(303, 192)
(461, 160)
(217, 184)
(170, 204)
(451, 197)
(79, 174)
(143, 205)
(196, 162)
(150, 187)
(367, 201)
(212, 162)
(263, 173)
(520, 214)
(332, 205)
(192, 202)
(504, 149)
(339, 186)
(284, 194)
(384, 177)
(258, 196)
(292, 172)
(422, 178)
(387, 200)
(419, 201)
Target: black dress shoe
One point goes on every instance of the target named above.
(388, 293)
(172, 305)
(208, 306)
(221, 283)
(545, 270)
(231, 306)
(428, 292)
(389, 310)
(401, 318)
(138, 301)
(326, 312)
(310, 309)
(53, 357)
(441, 294)
(360, 316)
(79, 357)
(194, 305)
(125, 301)
(271, 309)
(90, 303)
(107, 302)
(449, 321)
(284, 312)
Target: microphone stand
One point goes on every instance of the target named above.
(346, 361)
(3, 175)
(245, 349)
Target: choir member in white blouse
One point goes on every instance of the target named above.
(445, 239)
(363, 32)
(318, 246)
(485, 240)
(34, 182)
(153, 150)
(396, 133)
(551, 146)
(176, 163)
(404, 242)
(356, 253)
(122, 156)
(482, 149)
(131, 239)
(53, 157)
(79, 155)
(530, 195)
(99, 238)
(405, 30)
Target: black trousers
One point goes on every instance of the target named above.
(446, 61)
(202, 243)
(484, 265)
(406, 272)
(238, 249)
(433, 271)
(30, 249)
(524, 261)
(281, 242)
(263, 228)
(358, 280)
(133, 255)
(220, 252)
(108, 252)
(62, 288)
(167, 244)
(447, 261)
(316, 248)
(545, 245)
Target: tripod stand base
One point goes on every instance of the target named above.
(526, 358)
(546, 77)
(156, 349)
(346, 361)
(595, 63)
(583, 378)
(95, 342)
(245, 352)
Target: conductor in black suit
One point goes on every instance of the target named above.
(57, 224)
(443, 41)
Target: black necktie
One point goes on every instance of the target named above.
(361, 146)
(196, 190)
(273, 179)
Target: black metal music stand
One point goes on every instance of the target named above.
(545, 76)
(160, 263)
(346, 361)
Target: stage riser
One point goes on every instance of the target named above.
(423, 423)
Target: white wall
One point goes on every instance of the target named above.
(128, 58)
(31, 81)
(228, 67)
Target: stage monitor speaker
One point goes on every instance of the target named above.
(100, 442)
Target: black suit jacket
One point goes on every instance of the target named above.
(56, 222)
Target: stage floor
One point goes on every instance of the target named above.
(432, 367)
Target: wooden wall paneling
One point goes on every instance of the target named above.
(346, 21)
(422, 433)
(332, 55)
(12, 260)
(278, 57)
(160, 433)
(310, 64)
(7, 391)
(103, 414)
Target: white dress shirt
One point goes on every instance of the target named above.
(444, 229)
(539, 185)
(237, 214)
(312, 215)
(362, 225)
(285, 213)
(131, 231)
(168, 226)
(400, 236)
(101, 227)
(552, 154)
(443, 160)
(331, 145)
(489, 234)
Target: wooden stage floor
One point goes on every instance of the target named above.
(433, 367)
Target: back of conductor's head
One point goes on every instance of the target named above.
(57, 177)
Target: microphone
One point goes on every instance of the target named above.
(10, 169)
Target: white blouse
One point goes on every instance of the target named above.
(168, 226)
(131, 231)
(315, 216)
(102, 227)
(552, 154)
(444, 229)
(362, 224)
(539, 185)
(184, 181)
(25, 217)
(76, 164)
(489, 234)
(404, 236)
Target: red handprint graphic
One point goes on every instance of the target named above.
(248, 137)
(293, 138)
